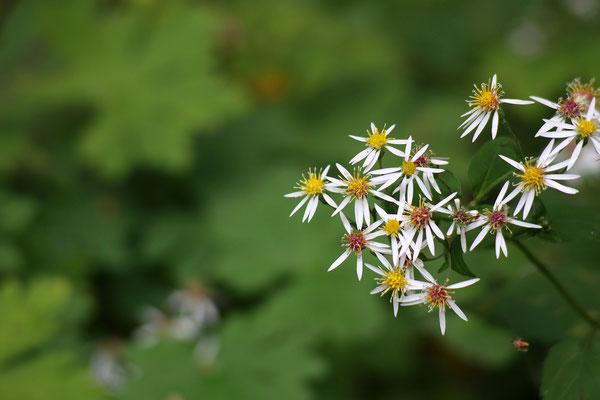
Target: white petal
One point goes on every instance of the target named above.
(544, 102)
(462, 284)
(339, 260)
(513, 163)
(442, 314)
(429, 237)
(516, 101)
(361, 155)
(343, 204)
(375, 269)
(498, 239)
(329, 200)
(495, 125)
(528, 203)
(343, 171)
(481, 126)
(560, 187)
(457, 310)
(299, 205)
(359, 266)
(500, 197)
(523, 224)
(358, 213)
(378, 289)
(360, 139)
(346, 223)
(295, 194)
(480, 237)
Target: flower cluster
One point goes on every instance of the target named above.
(399, 211)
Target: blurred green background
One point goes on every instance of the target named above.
(145, 147)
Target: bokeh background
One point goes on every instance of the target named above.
(145, 147)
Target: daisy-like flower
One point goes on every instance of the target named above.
(394, 279)
(376, 141)
(536, 177)
(411, 165)
(418, 219)
(311, 188)
(582, 130)
(485, 102)
(436, 296)
(566, 110)
(392, 229)
(583, 93)
(461, 218)
(356, 241)
(494, 221)
(356, 187)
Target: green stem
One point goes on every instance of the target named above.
(557, 285)
(511, 133)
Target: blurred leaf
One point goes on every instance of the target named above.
(16, 212)
(31, 318)
(487, 170)
(150, 76)
(572, 370)
(448, 183)
(457, 262)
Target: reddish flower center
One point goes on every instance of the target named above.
(569, 108)
(497, 219)
(419, 216)
(355, 241)
(437, 296)
(462, 218)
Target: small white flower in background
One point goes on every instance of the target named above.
(581, 130)
(485, 102)
(409, 173)
(418, 219)
(494, 221)
(356, 241)
(311, 188)
(436, 296)
(461, 218)
(356, 187)
(536, 177)
(375, 142)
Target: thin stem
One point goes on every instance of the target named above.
(557, 285)
(511, 133)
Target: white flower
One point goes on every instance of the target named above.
(486, 101)
(418, 219)
(395, 278)
(408, 172)
(375, 142)
(566, 110)
(581, 130)
(494, 221)
(436, 296)
(391, 228)
(356, 187)
(356, 241)
(536, 177)
(461, 218)
(312, 187)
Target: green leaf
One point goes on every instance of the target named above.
(487, 170)
(457, 262)
(572, 370)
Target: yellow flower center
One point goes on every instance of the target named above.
(377, 140)
(532, 177)
(391, 227)
(313, 184)
(408, 167)
(394, 280)
(357, 186)
(437, 296)
(486, 98)
(585, 128)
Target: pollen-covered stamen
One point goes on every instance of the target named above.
(419, 216)
(582, 92)
(312, 185)
(486, 98)
(436, 296)
(585, 128)
(377, 139)
(569, 108)
(394, 280)
(408, 167)
(532, 177)
(391, 227)
(462, 218)
(497, 219)
(357, 186)
(355, 241)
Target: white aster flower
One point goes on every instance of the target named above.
(356, 187)
(582, 129)
(494, 221)
(461, 218)
(409, 173)
(436, 296)
(566, 110)
(536, 177)
(356, 241)
(418, 220)
(391, 228)
(311, 188)
(375, 142)
(486, 101)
